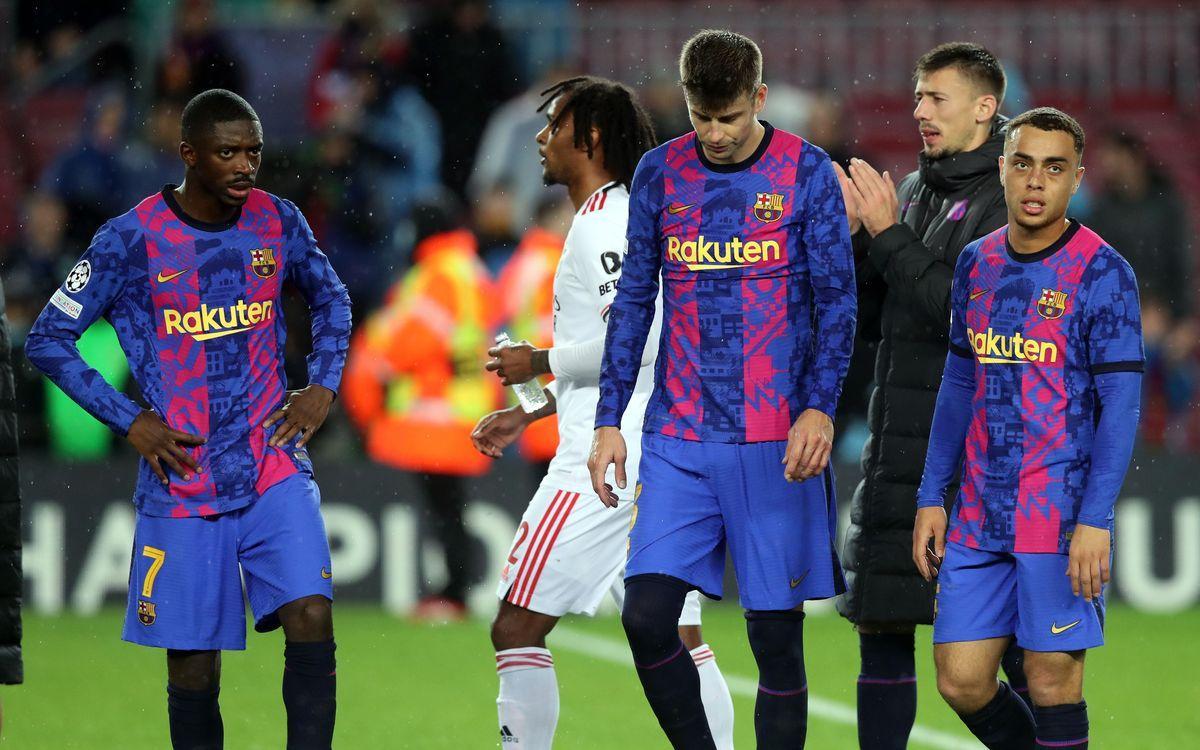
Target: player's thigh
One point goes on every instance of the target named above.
(283, 549)
(185, 590)
(677, 529)
(976, 596)
(568, 550)
(1052, 618)
(781, 534)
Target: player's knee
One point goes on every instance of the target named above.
(508, 631)
(1053, 684)
(775, 636)
(966, 693)
(651, 615)
(194, 670)
(307, 619)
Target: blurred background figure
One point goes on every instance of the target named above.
(12, 668)
(197, 58)
(415, 385)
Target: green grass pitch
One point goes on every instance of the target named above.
(402, 685)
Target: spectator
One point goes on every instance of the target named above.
(461, 62)
(1139, 213)
(12, 670)
(414, 386)
(197, 58)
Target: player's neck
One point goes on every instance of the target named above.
(581, 189)
(1028, 241)
(202, 206)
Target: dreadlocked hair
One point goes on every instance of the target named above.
(626, 132)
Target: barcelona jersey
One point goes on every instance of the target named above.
(1040, 327)
(197, 308)
(758, 292)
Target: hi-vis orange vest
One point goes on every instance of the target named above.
(526, 288)
(415, 382)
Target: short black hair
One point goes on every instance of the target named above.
(975, 62)
(210, 107)
(717, 66)
(626, 131)
(1049, 118)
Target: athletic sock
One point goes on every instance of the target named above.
(781, 709)
(668, 674)
(310, 694)
(1005, 723)
(195, 719)
(887, 690)
(1062, 726)
(1013, 663)
(718, 704)
(528, 701)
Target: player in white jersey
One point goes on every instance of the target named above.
(569, 551)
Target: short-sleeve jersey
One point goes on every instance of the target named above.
(585, 284)
(1040, 327)
(758, 291)
(197, 308)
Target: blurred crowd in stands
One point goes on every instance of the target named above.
(417, 122)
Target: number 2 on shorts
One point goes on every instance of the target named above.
(157, 555)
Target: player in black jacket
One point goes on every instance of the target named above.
(907, 240)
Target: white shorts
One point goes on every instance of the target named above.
(569, 551)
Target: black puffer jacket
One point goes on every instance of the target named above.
(11, 668)
(904, 277)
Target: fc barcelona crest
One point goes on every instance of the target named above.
(1052, 304)
(768, 207)
(146, 612)
(262, 261)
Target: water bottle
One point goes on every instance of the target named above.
(529, 393)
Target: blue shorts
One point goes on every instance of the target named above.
(695, 497)
(185, 589)
(983, 594)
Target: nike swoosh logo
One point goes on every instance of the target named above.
(1056, 630)
(326, 573)
(165, 277)
(979, 293)
(794, 582)
(679, 209)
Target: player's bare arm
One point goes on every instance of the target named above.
(608, 447)
(496, 431)
(1087, 560)
(304, 412)
(875, 197)
(518, 364)
(809, 444)
(930, 525)
(852, 217)
(159, 444)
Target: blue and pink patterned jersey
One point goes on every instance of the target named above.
(1040, 328)
(758, 292)
(198, 310)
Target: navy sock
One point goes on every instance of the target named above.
(781, 709)
(1062, 726)
(310, 694)
(668, 674)
(195, 719)
(887, 690)
(1013, 663)
(1005, 723)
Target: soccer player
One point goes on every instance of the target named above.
(191, 279)
(570, 548)
(746, 226)
(1041, 385)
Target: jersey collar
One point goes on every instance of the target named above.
(746, 163)
(1040, 255)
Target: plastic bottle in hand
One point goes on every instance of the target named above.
(529, 393)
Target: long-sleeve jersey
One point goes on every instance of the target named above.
(198, 310)
(758, 291)
(1043, 339)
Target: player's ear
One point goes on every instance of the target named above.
(187, 153)
(1001, 162)
(1078, 179)
(985, 108)
(760, 98)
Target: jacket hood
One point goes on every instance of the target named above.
(953, 173)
